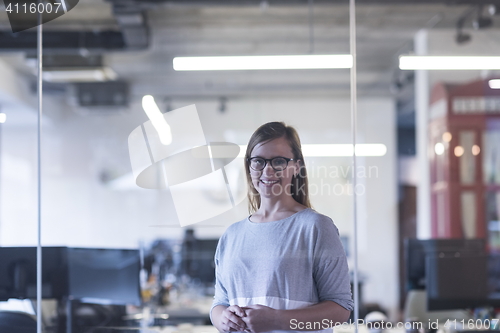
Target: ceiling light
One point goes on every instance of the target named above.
(333, 150)
(459, 151)
(262, 62)
(449, 62)
(439, 148)
(159, 123)
(92, 74)
(3, 118)
(493, 10)
(336, 150)
(475, 150)
(494, 84)
(446, 136)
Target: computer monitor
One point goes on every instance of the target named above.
(494, 273)
(104, 276)
(18, 272)
(198, 260)
(416, 250)
(456, 282)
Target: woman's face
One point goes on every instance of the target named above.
(269, 182)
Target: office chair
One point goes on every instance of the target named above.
(17, 322)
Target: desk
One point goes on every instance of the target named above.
(188, 328)
(201, 307)
(183, 328)
(195, 313)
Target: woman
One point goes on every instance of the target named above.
(283, 267)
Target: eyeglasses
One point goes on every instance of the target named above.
(277, 163)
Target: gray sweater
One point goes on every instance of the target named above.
(286, 264)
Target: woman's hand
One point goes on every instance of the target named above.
(231, 319)
(260, 318)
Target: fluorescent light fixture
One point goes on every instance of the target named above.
(449, 62)
(494, 84)
(228, 63)
(159, 123)
(336, 150)
(79, 75)
(327, 150)
(3, 118)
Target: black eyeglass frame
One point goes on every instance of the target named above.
(249, 160)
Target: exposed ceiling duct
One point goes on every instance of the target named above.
(102, 94)
(133, 34)
(63, 41)
(59, 68)
(132, 22)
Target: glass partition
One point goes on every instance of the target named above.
(114, 182)
(18, 165)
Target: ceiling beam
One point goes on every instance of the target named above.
(63, 41)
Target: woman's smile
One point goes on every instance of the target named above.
(269, 182)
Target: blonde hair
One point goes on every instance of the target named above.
(266, 133)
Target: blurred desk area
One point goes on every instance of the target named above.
(169, 284)
(451, 280)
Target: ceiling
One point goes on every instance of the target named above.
(384, 31)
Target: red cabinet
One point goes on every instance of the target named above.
(464, 153)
